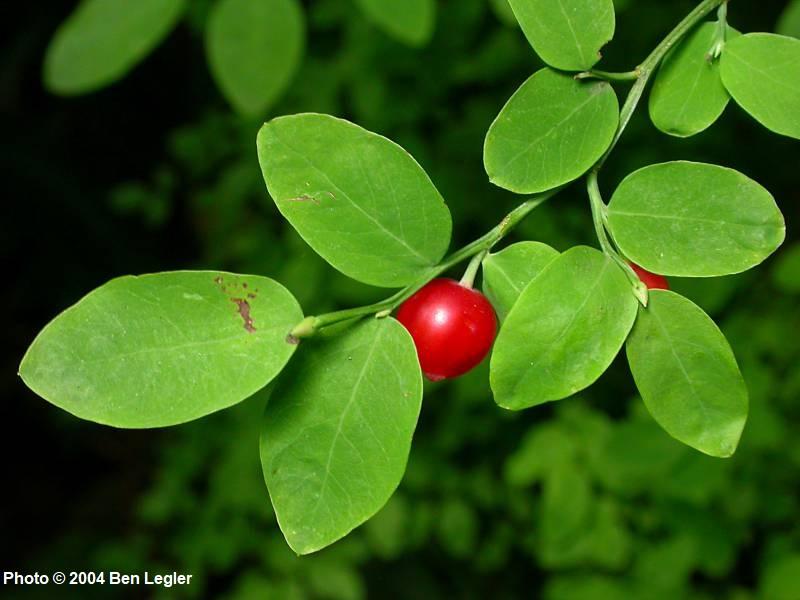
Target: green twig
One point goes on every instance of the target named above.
(609, 76)
(311, 325)
(468, 278)
(650, 64)
(643, 74)
(599, 217)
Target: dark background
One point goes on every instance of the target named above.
(156, 173)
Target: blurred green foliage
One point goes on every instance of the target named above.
(587, 499)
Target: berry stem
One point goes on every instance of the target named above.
(599, 209)
(472, 269)
(309, 326)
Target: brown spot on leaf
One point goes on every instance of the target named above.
(218, 279)
(290, 339)
(251, 295)
(244, 312)
(304, 198)
(311, 198)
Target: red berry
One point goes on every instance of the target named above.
(651, 280)
(453, 327)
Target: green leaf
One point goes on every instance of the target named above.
(566, 34)
(337, 431)
(688, 95)
(564, 331)
(254, 48)
(687, 374)
(358, 199)
(163, 349)
(789, 21)
(506, 273)
(762, 73)
(408, 21)
(104, 39)
(551, 131)
(694, 220)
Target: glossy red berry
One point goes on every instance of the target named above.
(453, 327)
(651, 280)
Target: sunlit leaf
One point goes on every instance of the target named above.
(551, 131)
(694, 220)
(762, 73)
(358, 199)
(104, 39)
(408, 21)
(506, 273)
(564, 331)
(337, 431)
(688, 95)
(687, 374)
(567, 34)
(165, 348)
(254, 48)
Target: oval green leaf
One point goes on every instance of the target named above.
(104, 39)
(551, 131)
(162, 349)
(566, 34)
(358, 199)
(762, 73)
(508, 272)
(253, 49)
(562, 334)
(688, 96)
(337, 431)
(408, 21)
(687, 374)
(694, 220)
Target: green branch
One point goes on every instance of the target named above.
(609, 75)
(311, 325)
(641, 76)
(647, 68)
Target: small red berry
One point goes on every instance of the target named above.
(453, 327)
(651, 280)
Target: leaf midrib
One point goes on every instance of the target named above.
(344, 414)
